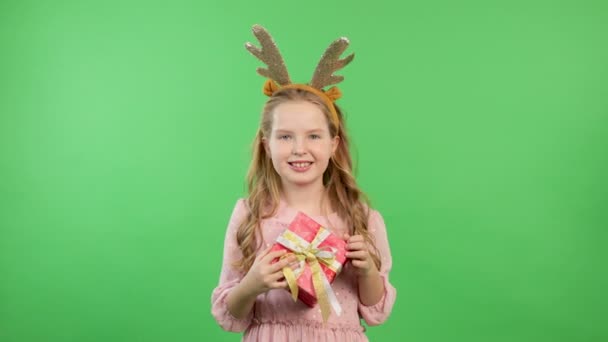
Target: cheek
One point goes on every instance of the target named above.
(324, 151)
(279, 150)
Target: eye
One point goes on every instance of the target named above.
(284, 136)
(315, 136)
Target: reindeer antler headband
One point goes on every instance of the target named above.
(278, 78)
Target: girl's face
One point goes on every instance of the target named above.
(300, 144)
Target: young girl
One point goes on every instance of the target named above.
(301, 162)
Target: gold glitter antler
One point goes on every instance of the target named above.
(270, 55)
(330, 63)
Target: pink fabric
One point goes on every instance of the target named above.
(275, 316)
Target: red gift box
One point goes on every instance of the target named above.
(307, 229)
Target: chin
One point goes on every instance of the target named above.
(302, 182)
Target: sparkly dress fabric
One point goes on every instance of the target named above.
(275, 316)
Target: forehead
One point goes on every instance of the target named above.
(298, 115)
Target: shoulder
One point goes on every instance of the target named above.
(374, 218)
(239, 212)
(371, 213)
(241, 204)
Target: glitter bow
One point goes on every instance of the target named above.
(310, 253)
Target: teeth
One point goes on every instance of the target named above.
(300, 165)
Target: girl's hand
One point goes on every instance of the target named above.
(358, 252)
(265, 275)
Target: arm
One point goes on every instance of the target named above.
(370, 284)
(263, 276)
(240, 300)
(230, 277)
(376, 294)
(371, 287)
(234, 298)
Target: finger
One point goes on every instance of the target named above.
(263, 253)
(358, 255)
(359, 263)
(345, 236)
(356, 246)
(273, 255)
(279, 284)
(277, 276)
(282, 263)
(356, 238)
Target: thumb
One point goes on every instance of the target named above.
(263, 252)
(346, 236)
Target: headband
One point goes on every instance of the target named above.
(278, 78)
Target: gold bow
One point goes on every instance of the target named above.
(309, 253)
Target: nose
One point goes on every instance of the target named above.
(299, 147)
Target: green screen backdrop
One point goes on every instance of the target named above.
(480, 130)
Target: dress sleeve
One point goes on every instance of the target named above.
(230, 276)
(378, 313)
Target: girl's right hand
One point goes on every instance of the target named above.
(264, 275)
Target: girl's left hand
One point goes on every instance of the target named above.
(357, 251)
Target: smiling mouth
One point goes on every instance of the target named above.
(300, 166)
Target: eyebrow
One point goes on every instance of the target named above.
(316, 130)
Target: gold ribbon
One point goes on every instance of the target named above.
(309, 253)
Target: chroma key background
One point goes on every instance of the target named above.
(480, 130)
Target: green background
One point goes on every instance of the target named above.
(480, 129)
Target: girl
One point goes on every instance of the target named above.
(301, 162)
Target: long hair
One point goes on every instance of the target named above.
(264, 184)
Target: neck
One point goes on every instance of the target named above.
(308, 199)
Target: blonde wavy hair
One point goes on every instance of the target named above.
(264, 184)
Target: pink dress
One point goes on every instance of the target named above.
(275, 316)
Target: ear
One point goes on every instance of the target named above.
(266, 147)
(335, 142)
